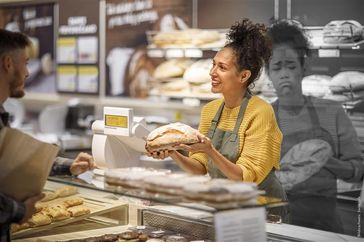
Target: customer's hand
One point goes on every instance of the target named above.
(29, 204)
(82, 163)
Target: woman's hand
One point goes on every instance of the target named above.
(204, 145)
(160, 155)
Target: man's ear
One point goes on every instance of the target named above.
(245, 75)
(7, 62)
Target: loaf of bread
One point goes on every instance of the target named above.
(198, 72)
(168, 136)
(343, 31)
(188, 37)
(347, 81)
(316, 85)
(302, 161)
(48, 196)
(78, 211)
(66, 191)
(172, 68)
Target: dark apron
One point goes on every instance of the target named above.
(227, 143)
(312, 202)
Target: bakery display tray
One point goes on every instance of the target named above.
(96, 206)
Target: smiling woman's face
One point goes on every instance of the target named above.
(285, 71)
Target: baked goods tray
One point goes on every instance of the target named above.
(96, 205)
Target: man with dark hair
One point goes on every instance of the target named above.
(13, 73)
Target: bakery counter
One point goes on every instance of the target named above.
(287, 232)
(275, 233)
(352, 216)
(57, 213)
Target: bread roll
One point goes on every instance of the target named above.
(48, 196)
(78, 211)
(168, 136)
(178, 85)
(199, 72)
(172, 68)
(40, 219)
(73, 202)
(66, 191)
(40, 206)
(56, 213)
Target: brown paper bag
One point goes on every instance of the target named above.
(25, 163)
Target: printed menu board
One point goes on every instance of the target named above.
(37, 21)
(78, 47)
(128, 67)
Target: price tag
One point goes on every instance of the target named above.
(240, 225)
(329, 53)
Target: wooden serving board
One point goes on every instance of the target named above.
(97, 206)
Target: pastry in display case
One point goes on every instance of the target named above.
(63, 209)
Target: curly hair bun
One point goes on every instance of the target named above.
(251, 44)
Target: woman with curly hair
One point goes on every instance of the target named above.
(319, 145)
(239, 136)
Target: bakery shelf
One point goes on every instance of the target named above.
(315, 34)
(38, 101)
(179, 52)
(189, 50)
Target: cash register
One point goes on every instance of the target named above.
(119, 139)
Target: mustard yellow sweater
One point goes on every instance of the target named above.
(260, 137)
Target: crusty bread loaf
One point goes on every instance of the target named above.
(342, 31)
(168, 136)
(316, 85)
(172, 68)
(198, 72)
(347, 81)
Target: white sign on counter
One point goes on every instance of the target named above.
(240, 225)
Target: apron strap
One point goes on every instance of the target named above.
(215, 120)
(275, 109)
(313, 114)
(242, 109)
